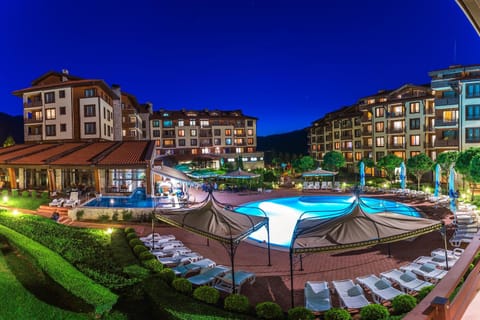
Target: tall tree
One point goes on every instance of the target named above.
(9, 141)
(418, 166)
(389, 163)
(333, 160)
(445, 160)
(305, 163)
(462, 165)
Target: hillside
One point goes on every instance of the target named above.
(11, 125)
(294, 142)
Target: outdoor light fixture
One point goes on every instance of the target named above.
(112, 201)
(15, 212)
(5, 199)
(109, 231)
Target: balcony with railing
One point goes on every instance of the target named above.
(428, 128)
(367, 132)
(396, 146)
(346, 148)
(428, 145)
(33, 120)
(347, 136)
(328, 137)
(33, 104)
(367, 118)
(450, 101)
(446, 142)
(399, 114)
(396, 130)
(428, 111)
(446, 123)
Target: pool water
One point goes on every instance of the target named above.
(283, 213)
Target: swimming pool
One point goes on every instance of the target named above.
(137, 199)
(283, 213)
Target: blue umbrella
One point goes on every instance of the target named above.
(403, 175)
(362, 174)
(451, 190)
(437, 180)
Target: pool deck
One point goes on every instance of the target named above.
(273, 282)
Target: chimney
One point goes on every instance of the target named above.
(64, 75)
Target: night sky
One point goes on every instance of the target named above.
(285, 62)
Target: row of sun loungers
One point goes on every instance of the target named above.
(322, 185)
(72, 202)
(405, 280)
(466, 224)
(195, 268)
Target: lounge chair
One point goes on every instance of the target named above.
(57, 202)
(437, 260)
(73, 201)
(170, 252)
(456, 252)
(208, 277)
(428, 271)
(408, 281)
(351, 295)
(224, 282)
(381, 289)
(186, 269)
(317, 296)
(177, 259)
(460, 237)
(157, 237)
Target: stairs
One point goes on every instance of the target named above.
(47, 211)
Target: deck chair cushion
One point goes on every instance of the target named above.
(354, 291)
(381, 284)
(427, 267)
(324, 294)
(406, 277)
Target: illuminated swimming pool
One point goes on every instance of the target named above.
(284, 212)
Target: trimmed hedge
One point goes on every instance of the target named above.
(424, 292)
(167, 275)
(269, 310)
(153, 265)
(403, 303)
(206, 294)
(139, 248)
(182, 285)
(337, 314)
(302, 313)
(63, 273)
(130, 230)
(237, 303)
(135, 242)
(146, 255)
(374, 312)
(131, 235)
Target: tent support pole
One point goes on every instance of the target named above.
(389, 251)
(268, 242)
(232, 254)
(291, 279)
(301, 262)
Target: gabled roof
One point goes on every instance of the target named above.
(128, 153)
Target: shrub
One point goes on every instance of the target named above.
(269, 310)
(135, 242)
(374, 312)
(236, 303)
(25, 194)
(403, 303)
(130, 230)
(424, 292)
(146, 255)
(182, 285)
(127, 215)
(206, 294)
(301, 313)
(103, 217)
(115, 216)
(136, 271)
(167, 275)
(15, 193)
(153, 265)
(337, 314)
(131, 235)
(44, 195)
(34, 194)
(139, 248)
(79, 214)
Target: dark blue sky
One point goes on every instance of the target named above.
(285, 62)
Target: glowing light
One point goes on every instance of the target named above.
(109, 231)
(5, 199)
(112, 201)
(15, 212)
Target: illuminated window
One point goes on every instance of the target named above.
(181, 133)
(168, 143)
(181, 123)
(398, 141)
(337, 145)
(379, 112)
(380, 141)
(250, 132)
(228, 141)
(50, 113)
(414, 153)
(193, 122)
(204, 123)
(358, 156)
(379, 126)
(228, 132)
(194, 151)
(415, 107)
(415, 140)
(250, 140)
(156, 123)
(239, 132)
(450, 116)
(193, 132)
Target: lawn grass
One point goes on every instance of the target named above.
(18, 303)
(20, 202)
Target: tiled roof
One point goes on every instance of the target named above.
(23, 152)
(128, 153)
(43, 156)
(84, 156)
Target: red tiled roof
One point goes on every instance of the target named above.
(128, 153)
(12, 148)
(42, 157)
(24, 152)
(84, 156)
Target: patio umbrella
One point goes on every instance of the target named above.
(403, 175)
(451, 189)
(362, 174)
(437, 180)
(239, 174)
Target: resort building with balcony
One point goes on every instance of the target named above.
(212, 136)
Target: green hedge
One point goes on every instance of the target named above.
(269, 310)
(206, 294)
(237, 303)
(64, 273)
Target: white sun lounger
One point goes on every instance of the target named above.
(408, 281)
(437, 260)
(428, 271)
(198, 266)
(381, 289)
(224, 282)
(57, 202)
(351, 295)
(317, 296)
(157, 237)
(208, 277)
